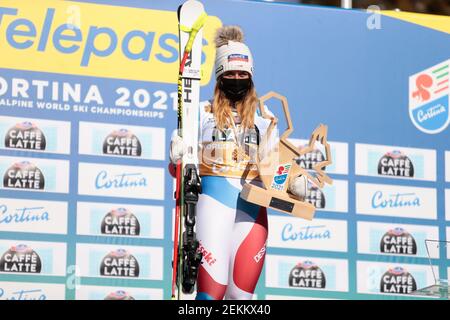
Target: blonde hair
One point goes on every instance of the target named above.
(246, 108)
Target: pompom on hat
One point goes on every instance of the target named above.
(232, 54)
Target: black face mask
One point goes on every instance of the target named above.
(235, 89)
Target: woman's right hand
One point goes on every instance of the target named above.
(298, 186)
(177, 148)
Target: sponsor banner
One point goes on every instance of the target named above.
(319, 234)
(23, 215)
(396, 201)
(114, 293)
(447, 204)
(331, 198)
(429, 96)
(34, 135)
(306, 273)
(396, 239)
(122, 140)
(339, 156)
(110, 219)
(447, 166)
(33, 174)
(103, 41)
(31, 257)
(395, 162)
(118, 261)
(392, 278)
(31, 291)
(121, 181)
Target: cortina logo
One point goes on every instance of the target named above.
(23, 215)
(397, 200)
(429, 98)
(22, 295)
(25, 135)
(305, 233)
(24, 175)
(307, 275)
(20, 258)
(396, 164)
(397, 280)
(120, 181)
(122, 143)
(398, 241)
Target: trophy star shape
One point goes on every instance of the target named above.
(277, 166)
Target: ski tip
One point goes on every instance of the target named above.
(189, 5)
(179, 12)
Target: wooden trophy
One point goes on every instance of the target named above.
(278, 166)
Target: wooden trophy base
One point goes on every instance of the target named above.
(278, 200)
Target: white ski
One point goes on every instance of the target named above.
(191, 16)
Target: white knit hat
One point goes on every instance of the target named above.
(232, 54)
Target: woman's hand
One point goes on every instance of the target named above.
(177, 148)
(298, 186)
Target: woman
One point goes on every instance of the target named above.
(232, 232)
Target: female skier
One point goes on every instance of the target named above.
(231, 231)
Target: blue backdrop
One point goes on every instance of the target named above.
(368, 84)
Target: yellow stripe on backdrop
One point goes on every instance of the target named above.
(95, 40)
(436, 22)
